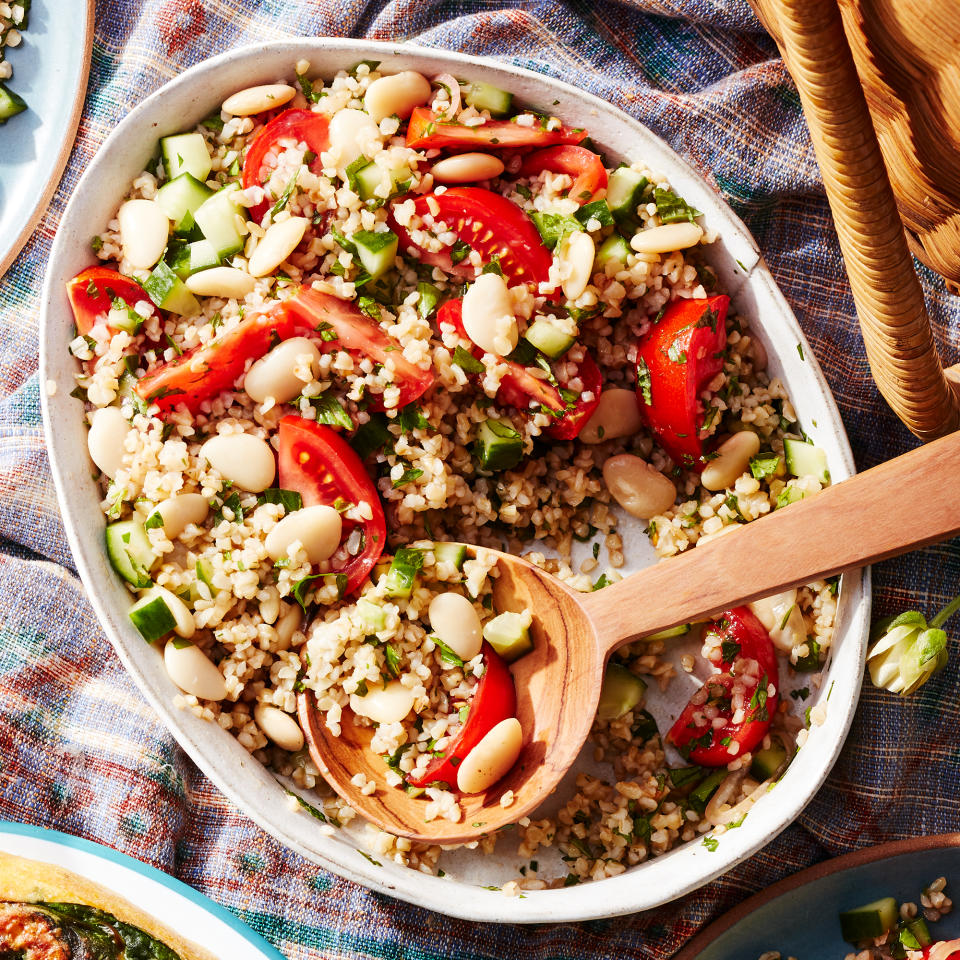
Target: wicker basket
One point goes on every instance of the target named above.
(879, 81)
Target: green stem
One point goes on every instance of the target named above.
(946, 613)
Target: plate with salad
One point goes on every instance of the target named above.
(365, 306)
(44, 63)
(893, 900)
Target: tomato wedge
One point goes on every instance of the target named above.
(676, 359)
(426, 132)
(582, 164)
(322, 467)
(362, 337)
(301, 126)
(205, 371)
(92, 292)
(490, 224)
(494, 700)
(521, 386)
(943, 950)
(749, 664)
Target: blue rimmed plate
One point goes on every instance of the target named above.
(799, 916)
(50, 68)
(190, 915)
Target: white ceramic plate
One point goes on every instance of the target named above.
(172, 903)
(50, 70)
(736, 258)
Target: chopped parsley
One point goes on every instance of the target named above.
(467, 361)
(408, 476)
(644, 382)
(673, 209)
(459, 252)
(764, 465)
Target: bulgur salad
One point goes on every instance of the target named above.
(14, 18)
(339, 330)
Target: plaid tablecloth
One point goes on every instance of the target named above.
(81, 751)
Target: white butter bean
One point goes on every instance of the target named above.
(733, 458)
(667, 238)
(351, 134)
(384, 704)
(491, 758)
(782, 619)
(280, 727)
(193, 672)
(144, 231)
(243, 459)
(185, 624)
(274, 375)
(467, 168)
(617, 415)
(396, 95)
(280, 240)
(105, 439)
(455, 621)
(226, 282)
(245, 103)
(641, 489)
(289, 622)
(576, 254)
(488, 315)
(317, 528)
(177, 512)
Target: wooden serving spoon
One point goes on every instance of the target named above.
(898, 506)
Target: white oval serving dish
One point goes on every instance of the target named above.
(186, 100)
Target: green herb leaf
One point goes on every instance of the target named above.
(370, 307)
(459, 252)
(446, 654)
(392, 655)
(671, 208)
(286, 195)
(306, 87)
(644, 382)
(467, 361)
(429, 298)
(764, 465)
(411, 418)
(408, 476)
(290, 500)
(554, 227)
(371, 436)
(330, 411)
(598, 210)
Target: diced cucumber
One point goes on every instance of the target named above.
(452, 553)
(767, 762)
(373, 616)
(217, 218)
(130, 553)
(168, 292)
(803, 459)
(377, 251)
(548, 339)
(10, 104)
(700, 795)
(370, 179)
(625, 192)
(685, 776)
(181, 198)
(204, 571)
(152, 617)
(790, 494)
(869, 921)
(613, 250)
(185, 153)
(402, 575)
(620, 693)
(190, 594)
(380, 569)
(914, 934)
(186, 259)
(485, 96)
(677, 631)
(509, 634)
(498, 445)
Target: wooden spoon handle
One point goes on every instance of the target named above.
(893, 508)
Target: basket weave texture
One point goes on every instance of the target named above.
(879, 81)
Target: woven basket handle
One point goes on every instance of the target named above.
(887, 293)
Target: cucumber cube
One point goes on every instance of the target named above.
(152, 617)
(620, 693)
(371, 178)
(625, 190)
(548, 338)
(189, 258)
(613, 250)
(452, 553)
(10, 104)
(485, 96)
(217, 218)
(509, 634)
(186, 153)
(372, 615)
(181, 198)
(377, 251)
(803, 459)
(130, 552)
(869, 921)
(498, 445)
(168, 292)
(402, 575)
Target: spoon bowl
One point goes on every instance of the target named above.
(853, 523)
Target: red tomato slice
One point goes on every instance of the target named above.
(751, 666)
(361, 337)
(494, 700)
(489, 224)
(939, 949)
(206, 371)
(582, 164)
(92, 292)
(301, 126)
(322, 467)
(521, 387)
(426, 132)
(676, 358)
